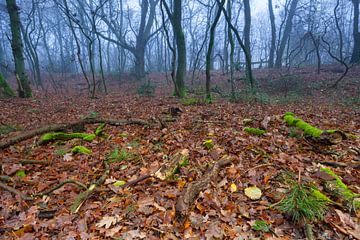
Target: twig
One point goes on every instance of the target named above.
(309, 232)
(83, 196)
(40, 162)
(47, 192)
(258, 166)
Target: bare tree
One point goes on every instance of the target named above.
(355, 58)
(24, 89)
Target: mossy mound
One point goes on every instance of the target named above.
(49, 137)
(5, 89)
(340, 190)
(254, 131)
(81, 149)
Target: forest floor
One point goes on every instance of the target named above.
(207, 133)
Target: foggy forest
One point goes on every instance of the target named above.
(179, 119)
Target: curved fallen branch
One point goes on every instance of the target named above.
(47, 192)
(65, 126)
(185, 201)
(83, 196)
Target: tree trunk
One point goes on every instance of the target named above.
(24, 89)
(210, 48)
(273, 35)
(286, 34)
(181, 48)
(355, 58)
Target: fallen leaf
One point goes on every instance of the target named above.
(254, 193)
(108, 221)
(233, 187)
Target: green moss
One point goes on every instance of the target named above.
(81, 149)
(119, 155)
(99, 130)
(339, 188)
(49, 137)
(308, 129)
(254, 131)
(319, 195)
(7, 91)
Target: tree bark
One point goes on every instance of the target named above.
(355, 58)
(273, 35)
(24, 89)
(210, 49)
(286, 34)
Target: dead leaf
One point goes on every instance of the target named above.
(108, 221)
(254, 193)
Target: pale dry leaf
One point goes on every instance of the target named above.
(254, 193)
(108, 221)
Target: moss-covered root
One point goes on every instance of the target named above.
(308, 129)
(6, 89)
(81, 149)
(254, 131)
(340, 190)
(49, 137)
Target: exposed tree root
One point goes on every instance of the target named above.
(83, 196)
(65, 126)
(185, 201)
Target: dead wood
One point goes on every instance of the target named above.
(166, 171)
(65, 126)
(83, 196)
(185, 201)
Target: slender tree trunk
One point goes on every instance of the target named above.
(273, 35)
(24, 89)
(286, 34)
(181, 48)
(232, 50)
(210, 49)
(355, 58)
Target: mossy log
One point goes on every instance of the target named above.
(65, 126)
(185, 201)
(340, 190)
(49, 137)
(323, 136)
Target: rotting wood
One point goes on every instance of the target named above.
(185, 201)
(64, 126)
(166, 171)
(83, 196)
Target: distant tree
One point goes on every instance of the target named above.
(286, 34)
(273, 35)
(355, 58)
(175, 17)
(24, 89)
(210, 49)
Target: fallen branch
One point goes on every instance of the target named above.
(185, 201)
(65, 126)
(167, 170)
(83, 196)
(47, 192)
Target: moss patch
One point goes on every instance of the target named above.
(81, 149)
(340, 190)
(49, 137)
(308, 129)
(254, 131)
